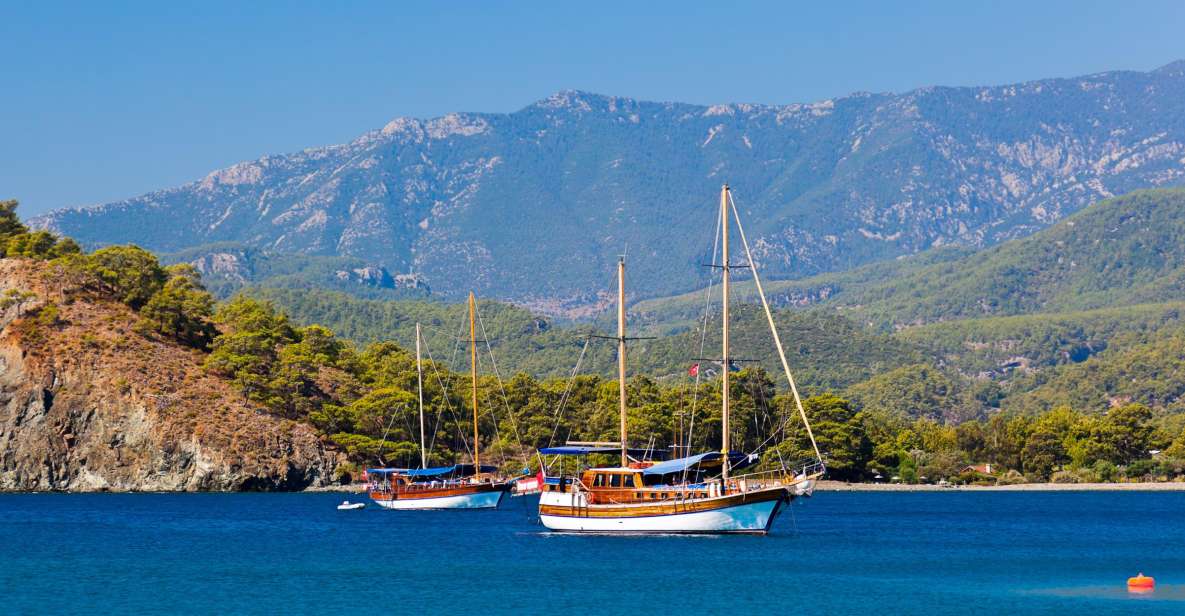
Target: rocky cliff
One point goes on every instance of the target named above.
(88, 404)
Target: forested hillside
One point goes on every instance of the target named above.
(1072, 396)
(828, 350)
(1117, 252)
(959, 365)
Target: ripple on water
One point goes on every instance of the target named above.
(1118, 592)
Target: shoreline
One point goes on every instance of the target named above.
(1156, 486)
(825, 485)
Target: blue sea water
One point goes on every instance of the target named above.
(835, 553)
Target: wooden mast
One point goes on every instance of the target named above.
(473, 374)
(621, 355)
(726, 444)
(420, 393)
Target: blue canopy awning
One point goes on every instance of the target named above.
(584, 450)
(737, 460)
(385, 471)
(455, 469)
(576, 450)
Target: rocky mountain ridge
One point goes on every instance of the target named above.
(533, 206)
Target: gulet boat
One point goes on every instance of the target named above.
(456, 486)
(694, 494)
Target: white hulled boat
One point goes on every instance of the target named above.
(694, 494)
(457, 486)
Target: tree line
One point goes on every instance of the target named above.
(364, 399)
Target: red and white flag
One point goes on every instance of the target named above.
(693, 370)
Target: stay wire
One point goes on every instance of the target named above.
(774, 331)
(445, 401)
(702, 342)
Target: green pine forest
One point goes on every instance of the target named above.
(1055, 357)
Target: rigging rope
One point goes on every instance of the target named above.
(567, 392)
(702, 342)
(444, 400)
(773, 328)
(383, 442)
(502, 387)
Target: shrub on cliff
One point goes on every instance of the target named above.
(39, 245)
(293, 372)
(181, 309)
(17, 241)
(18, 298)
(248, 349)
(130, 273)
(10, 224)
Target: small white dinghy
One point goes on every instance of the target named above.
(348, 506)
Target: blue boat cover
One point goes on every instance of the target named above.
(737, 459)
(456, 469)
(582, 450)
(575, 450)
(385, 471)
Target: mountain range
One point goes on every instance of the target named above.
(533, 206)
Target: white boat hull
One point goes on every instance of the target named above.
(477, 500)
(754, 517)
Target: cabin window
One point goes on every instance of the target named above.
(599, 481)
(615, 481)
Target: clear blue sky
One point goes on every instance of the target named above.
(101, 101)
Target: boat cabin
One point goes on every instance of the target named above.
(605, 478)
(632, 485)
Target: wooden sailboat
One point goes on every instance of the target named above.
(459, 486)
(685, 495)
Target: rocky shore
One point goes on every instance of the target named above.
(87, 404)
(1164, 486)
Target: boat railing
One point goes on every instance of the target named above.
(419, 486)
(776, 478)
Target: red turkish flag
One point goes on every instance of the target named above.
(693, 370)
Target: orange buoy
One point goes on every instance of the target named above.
(1141, 583)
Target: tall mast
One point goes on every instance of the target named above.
(473, 374)
(621, 354)
(420, 392)
(726, 444)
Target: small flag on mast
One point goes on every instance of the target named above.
(693, 370)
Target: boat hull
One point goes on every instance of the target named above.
(488, 498)
(746, 514)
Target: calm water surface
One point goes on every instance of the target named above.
(869, 553)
